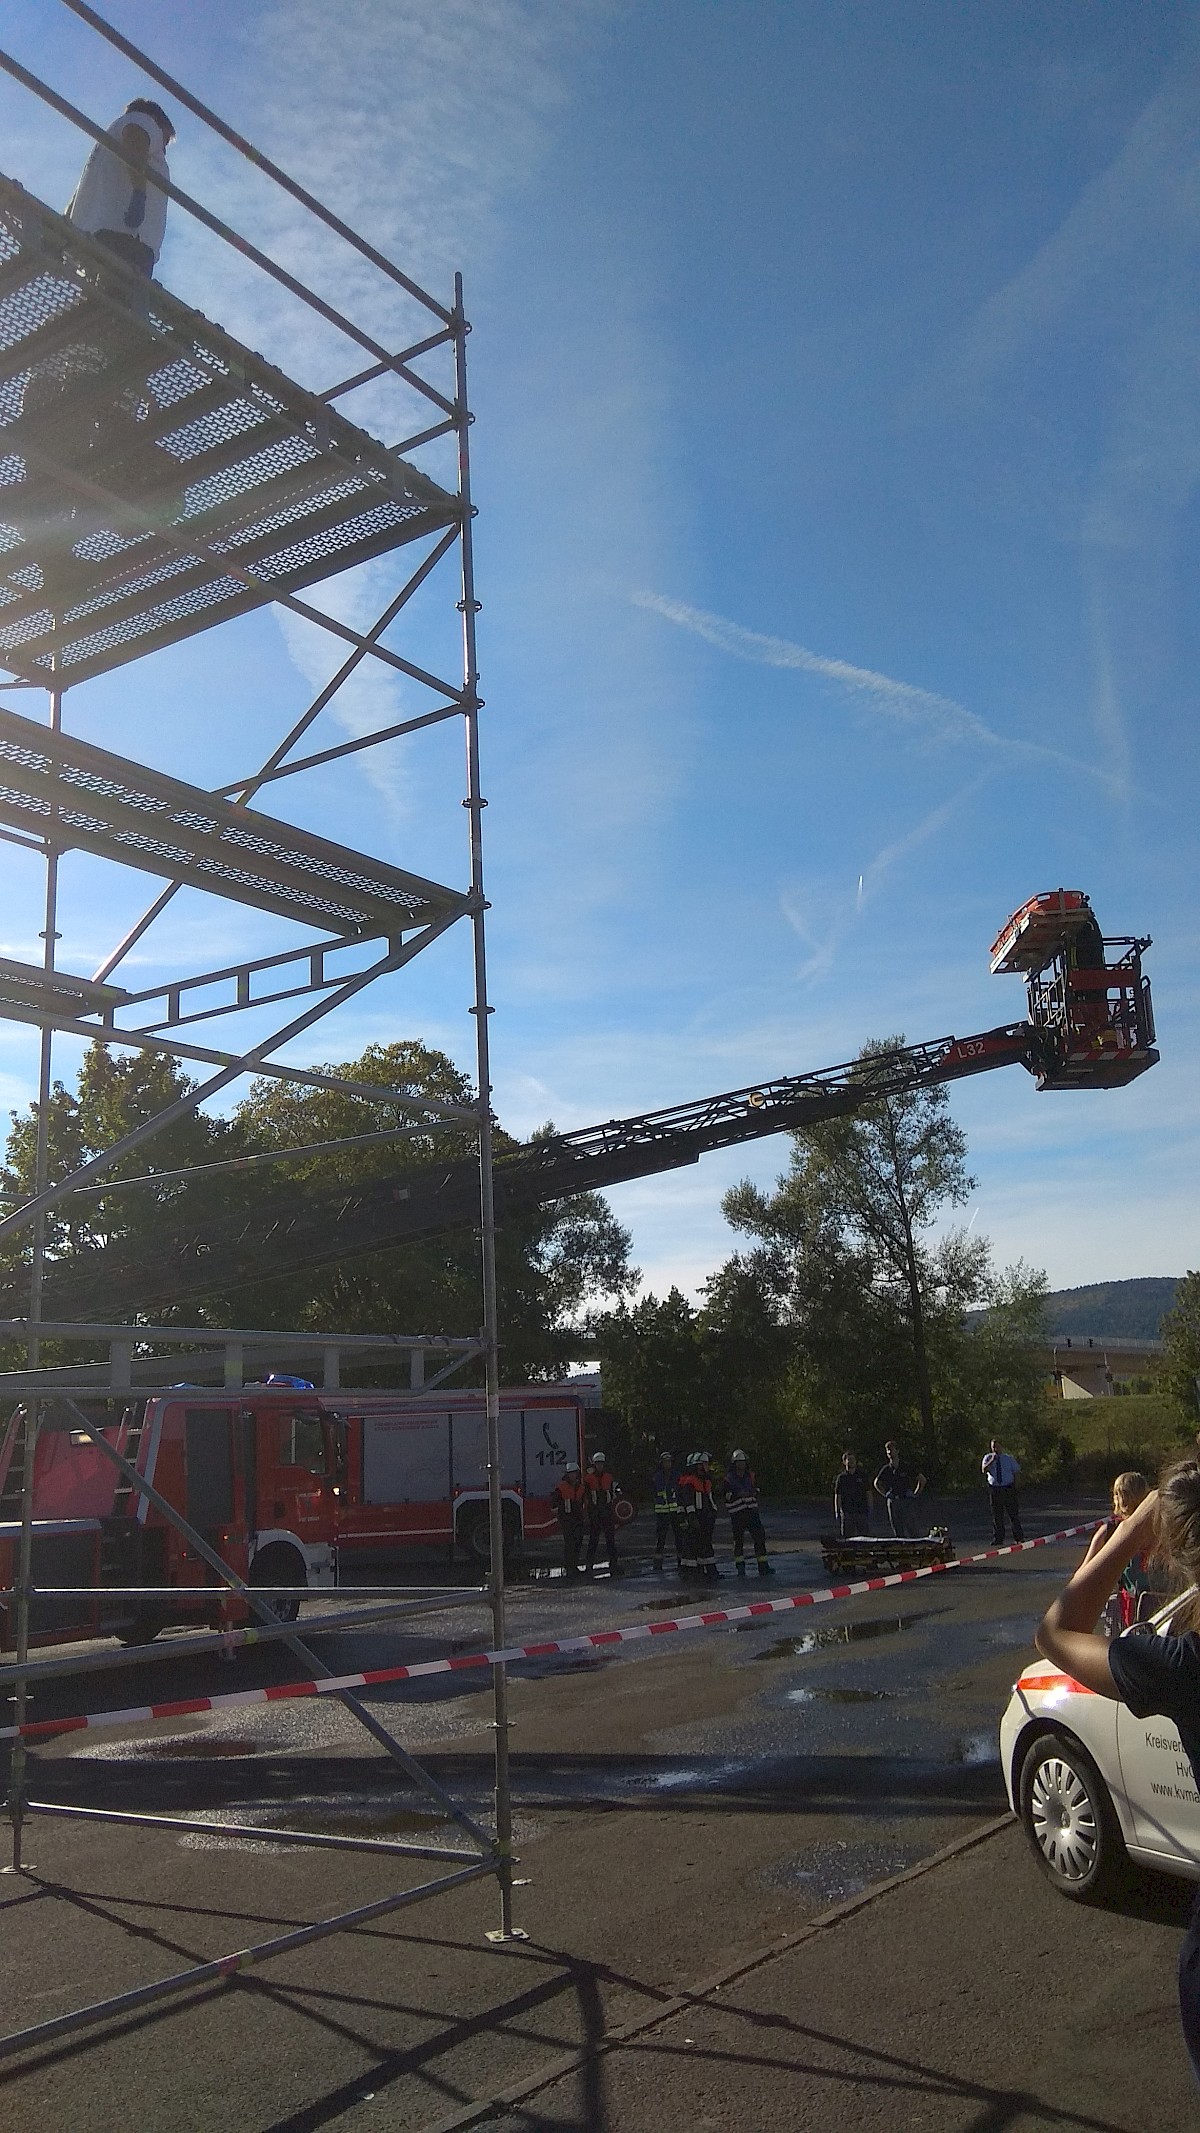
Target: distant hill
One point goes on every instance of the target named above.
(1131, 1309)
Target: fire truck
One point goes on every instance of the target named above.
(286, 1484)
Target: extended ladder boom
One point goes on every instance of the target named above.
(312, 1226)
(1090, 1025)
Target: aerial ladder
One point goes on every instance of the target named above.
(1089, 1025)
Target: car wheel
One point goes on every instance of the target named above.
(278, 1565)
(1070, 1821)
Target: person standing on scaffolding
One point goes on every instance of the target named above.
(117, 202)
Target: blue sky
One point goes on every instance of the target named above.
(837, 372)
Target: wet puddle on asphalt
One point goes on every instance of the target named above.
(370, 1822)
(836, 1870)
(818, 1640)
(203, 1747)
(975, 1749)
(841, 1695)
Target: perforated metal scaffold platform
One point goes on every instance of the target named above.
(155, 476)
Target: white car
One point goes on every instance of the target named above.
(1095, 1786)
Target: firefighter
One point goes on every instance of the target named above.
(700, 1512)
(741, 1497)
(600, 1497)
(667, 1516)
(570, 1509)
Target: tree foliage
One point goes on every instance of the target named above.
(555, 1264)
(1181, 1336)
(847, 1318)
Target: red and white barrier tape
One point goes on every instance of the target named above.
(377, 1677)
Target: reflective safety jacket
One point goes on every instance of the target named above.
(665, 1490)
(600, 1492)
(696, 1495)
(741, 1490)
(568, 1500)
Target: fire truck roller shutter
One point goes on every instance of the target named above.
(470, 1447)
(404, 1455)
(551, 1441)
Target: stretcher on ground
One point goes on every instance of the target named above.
(867, 1555)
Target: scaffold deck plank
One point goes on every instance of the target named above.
(209, 453)
(85, 798)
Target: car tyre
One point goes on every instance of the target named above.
(1070, 1821)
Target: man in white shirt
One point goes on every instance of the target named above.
(1000, 1472)
(121, 207)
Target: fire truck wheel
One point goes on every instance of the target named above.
(280, 1565)
(475, 1537)
(142, 1630)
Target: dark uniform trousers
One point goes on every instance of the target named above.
(668, 1524)
(1002, 1501)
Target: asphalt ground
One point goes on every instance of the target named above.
(680, 1808)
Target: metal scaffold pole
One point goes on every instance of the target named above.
(33, 1415)
(475, 804)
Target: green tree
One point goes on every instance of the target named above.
(1181, 1336)
(651, 1361)
(989, 1373)
(845, 1239)
(113, 1094)
(554, 1263)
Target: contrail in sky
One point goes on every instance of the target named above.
(938, 716)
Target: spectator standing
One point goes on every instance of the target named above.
(668, 1519)
(570, 1509)
(741, 1498)
(600, 1496)
(851, 1499)
(121, 207)
(1000, 1471)
(899, 1487)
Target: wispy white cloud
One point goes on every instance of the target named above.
(822, 913)
(1114, 279)
(1145, 201)
(937, 718)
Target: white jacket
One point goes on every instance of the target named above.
(108, 196)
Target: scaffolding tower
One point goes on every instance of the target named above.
(158, 478)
